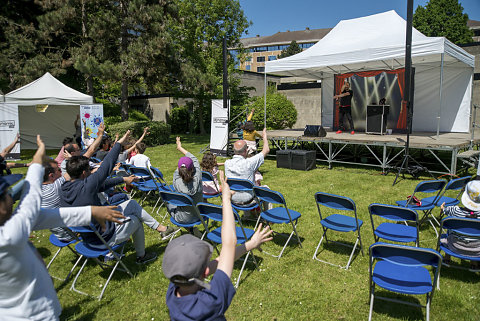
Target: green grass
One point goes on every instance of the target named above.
(292, 288)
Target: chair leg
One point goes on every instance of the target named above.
(351, 254)
(372, 296)
(318, 246)
(53, 258)
(72, 287)
(241, 270)
(427, 307)
(285, 246)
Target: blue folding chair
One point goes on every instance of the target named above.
(338, 222)
(208, 177)
(393, 231)
(277, 215)
(182, 200)
(61, 245)
(401, 269)
(94, 252)
(95, 160)
(214, 213)
(146, 183)
(457, 185)
(427, 203)
(162, 185)
(243, 185)
(468, 228)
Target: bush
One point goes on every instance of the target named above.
(281, 112)
(109, 108)
(179, 118)
(136, 115)
(159, 131)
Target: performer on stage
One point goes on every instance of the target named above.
(345, 107)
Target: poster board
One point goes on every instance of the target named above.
(219, 128)
(9, 128)
(91, 116)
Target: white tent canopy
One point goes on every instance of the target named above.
(443, 71)
(57, 121)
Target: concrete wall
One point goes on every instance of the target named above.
(308, 102)
(157, 108)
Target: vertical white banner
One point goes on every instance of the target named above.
(219, 128)
(91, 117)
(9, 128)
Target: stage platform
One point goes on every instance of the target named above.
(448, 153)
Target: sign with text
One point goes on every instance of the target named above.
(91, 117)
(219, 128)
(9, 128)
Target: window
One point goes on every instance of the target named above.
(248, 67)
(261, 59)
(249, 58)
(260, 69)
(272, 48)
(260, 49)
(306, 45)
(270, 58)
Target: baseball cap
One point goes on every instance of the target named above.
(471, 196)
(7, 181)
(185, 162)
(185, 260)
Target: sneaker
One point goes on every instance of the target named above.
(352, 132)
(339, 131)
(148, 257)
(167, 233)
(110, 257)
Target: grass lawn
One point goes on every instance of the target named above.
(292, 288)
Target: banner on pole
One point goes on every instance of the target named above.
(219, 128)
(9, 128)
(91, 117)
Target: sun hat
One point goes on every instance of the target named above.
(185, 162)
(8, 180)
(185, 260)
(471, 196)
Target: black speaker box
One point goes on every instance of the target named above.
(314, 131)
(303, 159)
(284, 158)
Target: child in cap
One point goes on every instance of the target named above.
(186, 263)
(187, 179)
(461, 244)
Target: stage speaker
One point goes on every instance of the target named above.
(314, 131)
(284, 158)
(377, 119)
(303, 159)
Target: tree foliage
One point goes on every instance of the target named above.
(443, 18)
(291, 50)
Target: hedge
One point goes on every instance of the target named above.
(159, 131)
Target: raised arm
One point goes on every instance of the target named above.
(145, 132)
(180, 148)
(92, 148)
(75, 123)
(7, 149)
(266, 148)
(249, 117)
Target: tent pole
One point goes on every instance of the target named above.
(265, 101)
(441, 100)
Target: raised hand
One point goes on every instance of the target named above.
(106, 213)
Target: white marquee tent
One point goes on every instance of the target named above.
(443, 71)
(57, 121)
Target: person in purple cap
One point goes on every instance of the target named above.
(187, 179)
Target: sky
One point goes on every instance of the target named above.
(271, 16)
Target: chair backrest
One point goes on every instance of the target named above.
(180, 199)
(267, 195)
(405, 255)
(213, 211)
(95, 160)
(208, 177)
(158, 173)
(392, 212)
(431, 186)
(85, 231)
(462, 225)
(240, 185)
(141, 172)
(335, 201)
(126, 167)
(458, 183)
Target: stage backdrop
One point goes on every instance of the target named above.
(91, 117)
(368, 88)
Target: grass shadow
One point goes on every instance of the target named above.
(397, 310)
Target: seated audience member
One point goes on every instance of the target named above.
(83, 188)
(209, 164)
(27, 291)
(465, 245)
(186, 263)
(74, 149)
(4, 166)
(139, 159)
(187, 179)
(105, 146)
(61, 156)
(242, 166)
(51, 188)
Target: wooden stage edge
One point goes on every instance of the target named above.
(417, 139)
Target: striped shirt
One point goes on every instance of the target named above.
(458, 211)
(51, 199)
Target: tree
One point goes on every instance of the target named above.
(443, 18)
(204, 24)
(291, 50)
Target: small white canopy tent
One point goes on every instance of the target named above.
(443, 71)
(57, 121)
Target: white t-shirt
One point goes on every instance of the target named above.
(140, 160)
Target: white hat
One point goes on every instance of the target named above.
(471, 196)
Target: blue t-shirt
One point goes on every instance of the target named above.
(205, 304)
